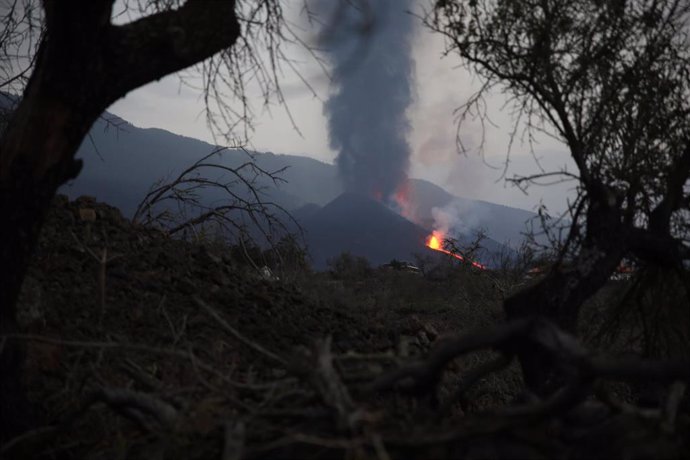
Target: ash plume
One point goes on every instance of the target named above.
(369, 45)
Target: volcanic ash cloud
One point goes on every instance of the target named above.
(369, 45)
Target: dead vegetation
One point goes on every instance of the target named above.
(180, 352)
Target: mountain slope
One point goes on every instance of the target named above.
(122, 162)
(364, 227)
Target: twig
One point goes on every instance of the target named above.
(148, 349)
(8, 446)
(101, 284)
(233, 443)
(176, 334)
(330, 387)
(235, 333)
(137, 406)
(670, 408)
(103, 260)
(379, 447)
(143, 378)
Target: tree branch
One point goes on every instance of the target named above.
(169, 41)
(569, 356)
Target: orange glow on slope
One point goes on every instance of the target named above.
(403, 201)
(434, 241)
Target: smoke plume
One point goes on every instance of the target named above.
(369, 45)
(459, 217)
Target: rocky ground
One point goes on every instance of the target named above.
(143, 346)
(118, 306)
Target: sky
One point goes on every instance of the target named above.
(441, 86)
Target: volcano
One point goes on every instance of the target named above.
(365, 227)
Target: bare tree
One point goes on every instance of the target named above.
(177, 205)
(611, 80)
(70, 61)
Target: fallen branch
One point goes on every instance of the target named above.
(670, 407)
(233, 441)
(573, 360)
(425, 374)
(137, 406)
(328, 384)
(236, 334)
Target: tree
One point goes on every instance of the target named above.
(611, 81)
(70, 62)
(242, 210)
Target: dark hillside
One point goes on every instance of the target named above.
(122, 162)
(141, 346)
(363, 227)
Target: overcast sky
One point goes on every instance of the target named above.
(441, 86)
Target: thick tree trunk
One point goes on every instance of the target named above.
(559, 296)
(37, 149)
(23, 204)
(84, 64)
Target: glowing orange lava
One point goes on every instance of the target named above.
(434, 241)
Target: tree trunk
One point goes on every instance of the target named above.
(559, 296)
(23, 205)
(83, 65)
(37, 152)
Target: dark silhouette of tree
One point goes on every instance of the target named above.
(611, 80)
(70, 61)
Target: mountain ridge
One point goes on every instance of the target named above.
(121, 164)
(123, 161)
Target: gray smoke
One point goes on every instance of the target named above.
(369, 45)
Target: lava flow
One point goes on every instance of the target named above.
(435, 242)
